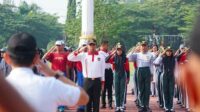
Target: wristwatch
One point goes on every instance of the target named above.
(58, 75)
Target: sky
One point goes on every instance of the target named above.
(58, 7)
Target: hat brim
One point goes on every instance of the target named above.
(169, 50)
(144, 44)
(91, 43)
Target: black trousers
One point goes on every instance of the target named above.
(107, 87)
(144, 81)
(93, 89)
(159, 88)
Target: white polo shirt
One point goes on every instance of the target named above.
(105, 54)
(142, 59)
(93, 65)
(44, 94)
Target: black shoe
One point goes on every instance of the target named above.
(139, 107)
(117, 109)
(136, 100)
(167, 110)
(110, 107)
(142, 109)
(103, 106)
(137, 104)
(80, 110)
(161, 106)
(121, 109)
(179, 102)
(124, 107)
(148, 109)
(171, 110)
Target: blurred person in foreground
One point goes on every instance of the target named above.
(44, 94)
(190, 73)
(10, 100)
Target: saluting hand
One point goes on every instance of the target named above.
(157, 53)
(164, 52)
(82, 49)
(113, 52)
(43, 68)
(52, 49)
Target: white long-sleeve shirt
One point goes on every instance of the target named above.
(158, 60)
(105, 54)
(93, 65)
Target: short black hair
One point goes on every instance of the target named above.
(195, 37)
(103, 42)
(22, 49)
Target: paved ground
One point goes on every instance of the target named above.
(131, 107)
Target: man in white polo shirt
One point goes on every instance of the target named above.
(44, 94)
(144, 61)
(93, 65)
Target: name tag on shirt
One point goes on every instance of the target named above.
(99, 59)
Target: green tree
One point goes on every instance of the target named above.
(129, 22)
(28, 18)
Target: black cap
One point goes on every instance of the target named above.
(21, 44)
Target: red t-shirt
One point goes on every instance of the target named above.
(183, 58)
(58, 61)
(79, 66)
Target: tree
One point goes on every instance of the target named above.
(130, 22)
(28, 18)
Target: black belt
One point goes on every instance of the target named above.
(93, 78)
(143, 67)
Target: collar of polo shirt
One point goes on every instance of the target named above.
(104, 50)
(93, 53)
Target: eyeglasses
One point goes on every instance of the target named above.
(58, 45)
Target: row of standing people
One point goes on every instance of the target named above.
(146, 64)
(94, 71)
(156, 70)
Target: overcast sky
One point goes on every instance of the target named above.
(58, 7)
